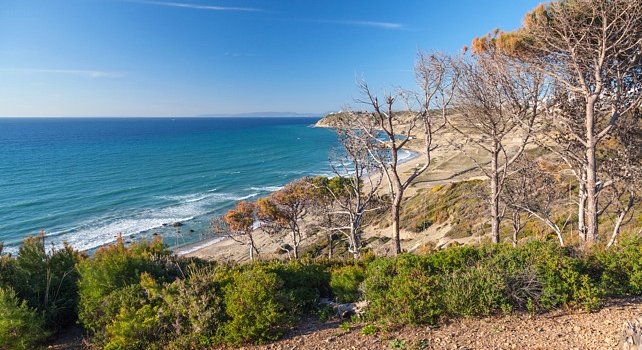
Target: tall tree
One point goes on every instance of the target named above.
(422, 116)
(498, 104)
(591, 50)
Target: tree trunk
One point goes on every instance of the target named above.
(295, 245)
(494, 196)
(581, 212)
(252, 247)
(356, 237)
(517, 224)
(616, 229)
(330, 241)
(591, 175)
(619, 221)
(395, 211)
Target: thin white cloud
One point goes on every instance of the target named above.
(382, 25)
(240, 54)
(79, 72)
(198, 6)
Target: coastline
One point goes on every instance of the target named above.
(226, 249)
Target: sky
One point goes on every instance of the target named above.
(198, 57)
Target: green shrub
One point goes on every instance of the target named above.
(402, 290)
(325, 313)
(477, 291)
(257, 307)
(304, 283)
(115, 267)
(543, 276)
(136, 325)
(20, 326)
(7, 271)
(128, 297)
(46, 280)
(369, 329)
(621, 267)
(454, 258)
(346, 282)
(194, 308)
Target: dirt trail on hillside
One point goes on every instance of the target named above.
(555, 330)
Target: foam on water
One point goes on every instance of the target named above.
(104, 230)
(86, 180)
(265, 188)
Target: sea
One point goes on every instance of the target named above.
(85, 181)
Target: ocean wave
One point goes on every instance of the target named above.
(265, 188)
(100, 234)
(208, 196)
(103, 230)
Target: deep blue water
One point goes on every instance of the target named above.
(86, 180)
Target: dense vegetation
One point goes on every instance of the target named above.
(143, 297)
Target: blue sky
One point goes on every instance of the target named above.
(193, 57)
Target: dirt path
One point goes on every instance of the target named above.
(555, 330)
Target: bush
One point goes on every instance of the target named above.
(621, 268)
(20, 326)
(478, 291)
(7, 271)
(194, 308)
(115, 267)
(466, 281)
(402, 290)
(136, 324)
(346, 282)
(257, 307)
(47, 281)
(126, 298)
(543, 276)
(304, 284)
(454, 258)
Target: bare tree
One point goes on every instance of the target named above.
(591, 51)
(352, 193)
(514, 194)
(498, 101)
(282, 212)
(533, 190)
(623, 170)
(396, 128)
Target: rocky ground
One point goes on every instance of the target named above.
(561, 329)
(556, 330)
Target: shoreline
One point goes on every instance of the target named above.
(196, 246)
(223, 248)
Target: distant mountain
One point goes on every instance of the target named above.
(265, 114)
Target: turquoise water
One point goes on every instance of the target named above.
(86, 180)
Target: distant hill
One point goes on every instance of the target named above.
(265, 114)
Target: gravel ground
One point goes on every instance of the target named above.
(555, 330)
